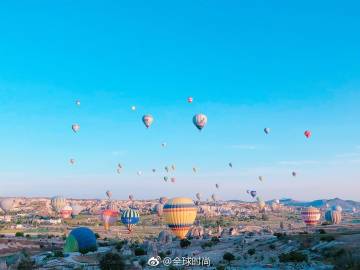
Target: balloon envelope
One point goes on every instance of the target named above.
(148, 120)
(75, 127)
(333, 216)
(253, 193)
(267, 130)
(7, 204)
(180, 214)
(130, 218)
(307, 134)
(200, 120)
(310, 216)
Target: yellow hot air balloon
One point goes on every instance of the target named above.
(180, 214)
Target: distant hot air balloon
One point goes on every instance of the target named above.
(333, 216)
(267, 130)
(77, 102)
(58, 203)
(133, 108)
(108, 194)
(198, 196)
(310, 216)
(307, 134)
(148, 120)
(337, 208)
(139, 173)
(164, 144)
(354, 209)
(112, 206)
(166, 178)
(7, 204)
(261, 178)
(217, 186)
(248, 191)
(213, 197)
(194, 169)
(72, 161)
(153, 170)
(75, 127)
(230, 165)
(130, 218)
(120, 166)
(253, 193)
(166, 168)
(131, 197)
(173, 167)
(163, 200)
(200, 121)
(293, 174)
(277, 201)
(173, 179)
(66, 212)
(109, 217)
(118, 170)
(180, 214)
(261, 203)
(190, 99)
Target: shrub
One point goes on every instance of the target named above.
(322, 231)
(327, 238)
(58, 254)
(293, 256)
(215, 239)
(228, 257)
(19, 234)
(220, 267)
(162, 255)
(97, 236)
(27, 236)
(139, 251)
(112, 261)
(272, 246)
(26, 264)
(280, 235)
(184, 243)
(251, 251)
(119, 245)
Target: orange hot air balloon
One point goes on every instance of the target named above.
(310, 216)
(307, 134)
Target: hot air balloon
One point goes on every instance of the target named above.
(7, 204)
(158, 209)
(194, 169)
(261, 178)
(77, 102)
(213, 197)
(354, 209)
(173, 167)
(253, 193)
(166, 168)
(166, 178)
(163, 200)
(217, 186)
(153, 170)
(261, 203)
(131, 197)
(139, 173)
(333, 216)
(310, 216)
(293, 174)
(248, 191)
(58, 203)
(66, 212)
(80, 239)
(173, 179)
(164, 144)
(130, 218)
(72, 161)
(200, 121)
(118, 170)
(119, 166)
(230, 165)
(180, 214)
(108, 194)
(307, 134)
(133, 108)
(267, 130)
(148, 120)
(75, 127)
(198, 196)
(277, 201)
(112, 206)
(76, 209)
(190, 99)
(109, 217)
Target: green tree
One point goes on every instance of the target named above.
(112, 261)
(228, 257)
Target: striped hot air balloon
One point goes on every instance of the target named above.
(66, 212)
(180, 214)
(333, 216)
(310, 216)
(130, 218)
(200, 120)
(109, 217)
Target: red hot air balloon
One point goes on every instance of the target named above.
(310, 216)
(190, 99)
(307, 134)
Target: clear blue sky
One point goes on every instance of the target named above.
(282, 65)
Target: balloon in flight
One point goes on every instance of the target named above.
(307, 134)
(190, 99)
(200, 120)
(130, 218)
(148, 120)
(75, 127)
(267, 130)
(310, 216)
(253, 193)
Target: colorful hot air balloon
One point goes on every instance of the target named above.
(77, 102)
(130, 218)
(200, 121)
(253, 193)
(337, 208)
(310, 216)
(58, 203)
(267, 130)
(190, 99)
(148, 120)
(180, 214)
(109, 217)
(333, 216)
(307, 134)
(80, 239)
(66, 212)
(7, 204)
(75, 127)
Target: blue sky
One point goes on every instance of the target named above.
(286, 66)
